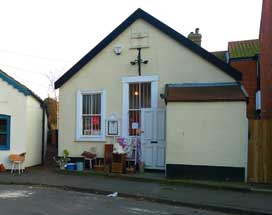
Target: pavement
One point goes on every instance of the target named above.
(237, 201)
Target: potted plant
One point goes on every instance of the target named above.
(62, 161)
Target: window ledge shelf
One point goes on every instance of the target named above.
(91, 139)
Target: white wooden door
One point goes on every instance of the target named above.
(153, 138)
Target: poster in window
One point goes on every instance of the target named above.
(135, 125)
(95, 120)
(113, 128)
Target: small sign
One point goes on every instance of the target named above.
(113, 128)
(135, 125)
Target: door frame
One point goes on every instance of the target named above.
(125, 96)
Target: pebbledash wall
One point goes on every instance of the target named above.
(206, 139)
(25, 125)
(169, 60)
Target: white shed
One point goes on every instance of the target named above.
(21, 122)
(206, 130)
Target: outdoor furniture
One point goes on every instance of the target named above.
(130, 148)
(118, 163)
(99, 165)
(131, 154)
(108, 149)
(89, 156)
(17, 161)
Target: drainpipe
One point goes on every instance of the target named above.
(246, 153)
(43, 129)
(258, 90)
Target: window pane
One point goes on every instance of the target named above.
(3, 125)
(139, 95)
(96, 103)
(96, 125)
(145, 95)
(134, 123)
(86, 125)
(91, 125)
(3, 139)
(86, 104)
(91, 104)
(134, 96)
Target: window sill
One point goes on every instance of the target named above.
(91, 139)
(4, 149)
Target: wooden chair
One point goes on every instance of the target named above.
(17, 160)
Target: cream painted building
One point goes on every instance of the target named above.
(21, 122)
(126, 74)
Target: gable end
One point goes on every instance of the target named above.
(140, 14)
(21, 88)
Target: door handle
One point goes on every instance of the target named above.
(153, 141)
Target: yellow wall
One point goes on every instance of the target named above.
(25, 123)
(206, 133)
(169, 60)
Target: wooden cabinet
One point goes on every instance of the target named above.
(118, 163)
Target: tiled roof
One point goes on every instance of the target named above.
(244, 48)
(221, 55)
(203, 92)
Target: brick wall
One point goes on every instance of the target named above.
(266, 59)
(248, 68)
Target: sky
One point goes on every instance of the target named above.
(41, 39)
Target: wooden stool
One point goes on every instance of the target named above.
(17, 160)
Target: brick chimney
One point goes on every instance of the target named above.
(195, 37)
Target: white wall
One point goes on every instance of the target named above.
(25, 126)
(33, 132)
(13, 103)
(206, 133)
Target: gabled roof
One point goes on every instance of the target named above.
(203, 92)
(17, 85)
(140, 14)
(244, 48)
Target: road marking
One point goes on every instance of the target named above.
(146, 211)
(15, 194)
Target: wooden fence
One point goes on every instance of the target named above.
(260, 151)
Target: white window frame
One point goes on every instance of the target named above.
(125, 101)
(79, 135)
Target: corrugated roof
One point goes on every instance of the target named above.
(221, 55)
(204, 92)
(244, 48)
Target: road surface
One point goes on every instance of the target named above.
(26, 200)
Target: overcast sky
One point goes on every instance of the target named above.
(45, 38)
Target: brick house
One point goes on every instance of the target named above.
(244, 56)
(253, 58)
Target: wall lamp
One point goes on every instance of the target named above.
(139, 61)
